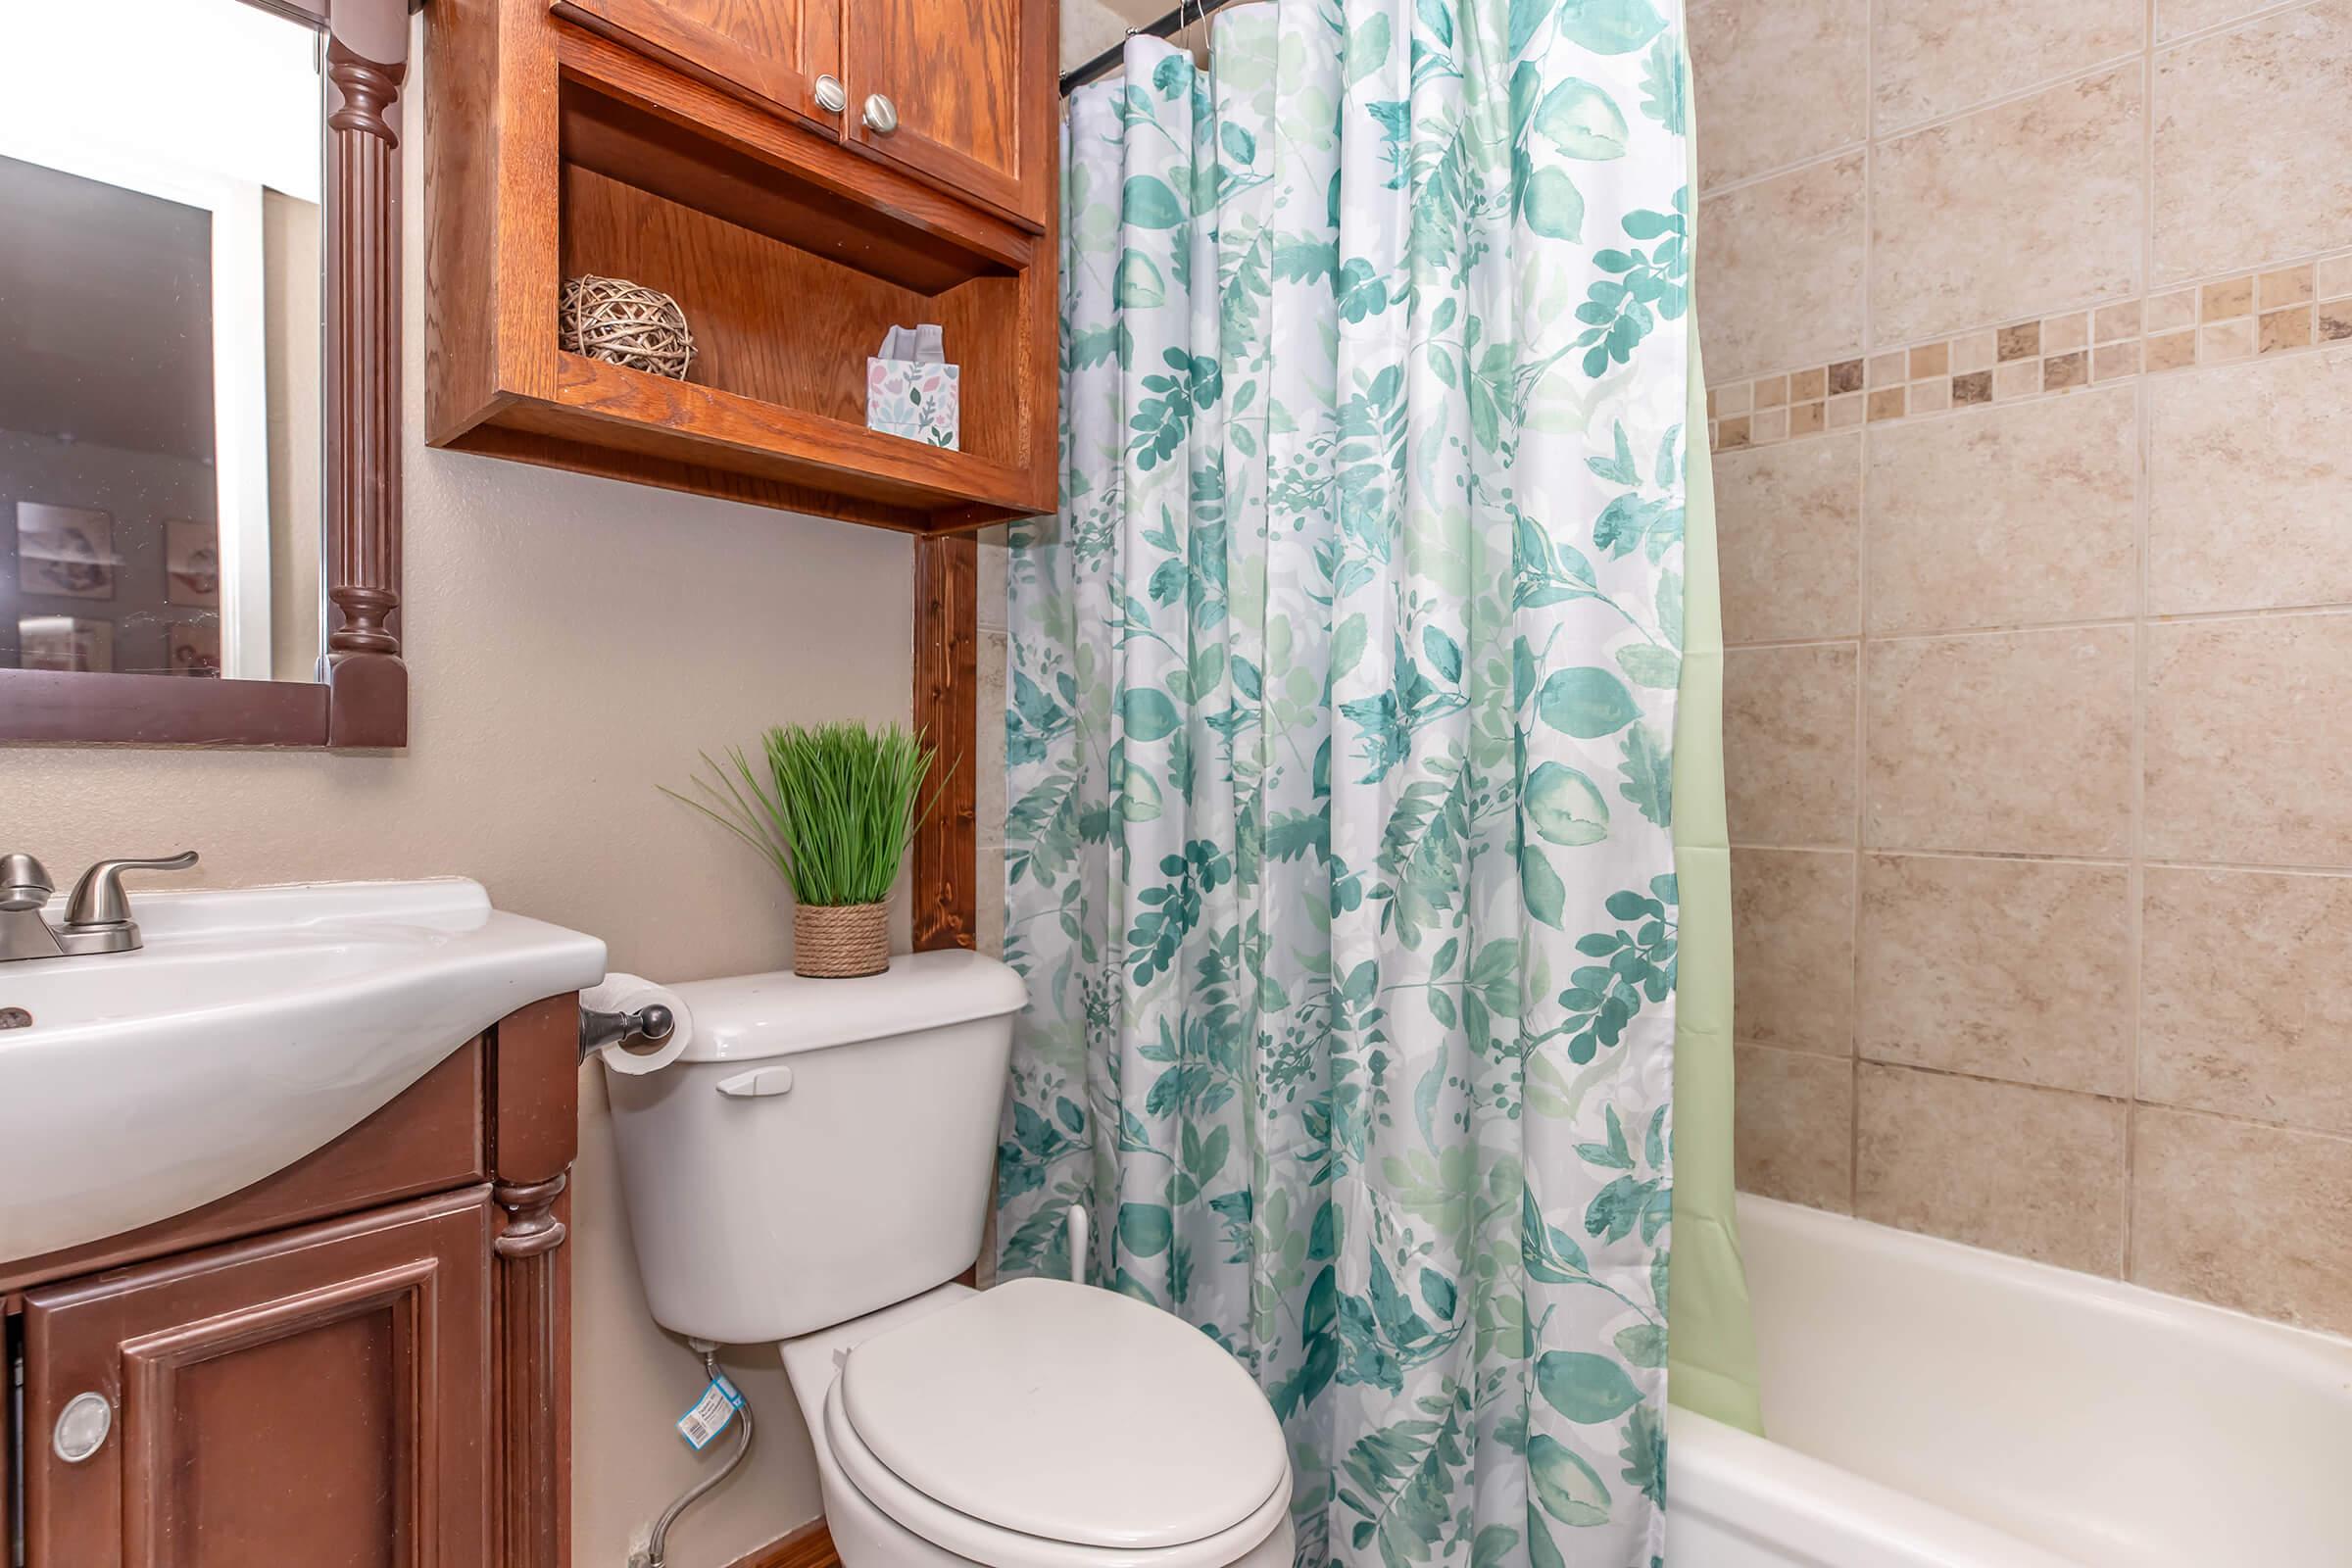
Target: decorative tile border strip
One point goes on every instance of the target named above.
(2304, 305)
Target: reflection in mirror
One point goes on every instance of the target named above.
(161, 339)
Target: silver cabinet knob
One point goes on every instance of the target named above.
(81, 1427)
(831, 96)
(881, 116)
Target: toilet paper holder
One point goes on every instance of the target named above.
(639, 1033)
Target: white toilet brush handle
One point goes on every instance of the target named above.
(1077, 1243)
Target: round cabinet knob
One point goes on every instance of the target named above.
(881, 115)
(831, 96)
(81, 1427)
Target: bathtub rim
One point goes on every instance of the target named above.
(1811, 1510)
(2288, 1347)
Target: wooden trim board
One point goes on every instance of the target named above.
(947, 674)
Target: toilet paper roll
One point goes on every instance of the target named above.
(627, 993)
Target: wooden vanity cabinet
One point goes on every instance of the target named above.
(321, 1395)
(361, 1361)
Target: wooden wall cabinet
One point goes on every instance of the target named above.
(687, 145)
(361, 1360)
(972, 93)
(961, 78)
(773, 51)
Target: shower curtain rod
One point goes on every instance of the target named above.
(1186, 10)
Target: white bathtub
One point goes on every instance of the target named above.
(1935, 1405)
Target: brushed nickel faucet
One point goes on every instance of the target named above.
(97, 911)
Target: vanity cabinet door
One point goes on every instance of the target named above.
(320, 1397)
(967, 95)
(772, 51)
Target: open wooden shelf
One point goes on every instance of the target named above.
(684, 422)
(791, 257)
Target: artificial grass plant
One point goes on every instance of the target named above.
(833, 811)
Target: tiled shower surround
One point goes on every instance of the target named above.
(2030, 329)
(2299, 306)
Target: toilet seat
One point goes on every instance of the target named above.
(1006, 1429)
(979, 1542)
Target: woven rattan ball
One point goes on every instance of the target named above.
(621, 323)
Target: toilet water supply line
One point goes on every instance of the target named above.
(657, 1545)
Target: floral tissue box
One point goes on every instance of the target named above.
(913, 399)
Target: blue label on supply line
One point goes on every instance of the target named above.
(710, 1413)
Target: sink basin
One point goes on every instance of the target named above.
(254, 1027)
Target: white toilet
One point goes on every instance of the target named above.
(812, 1170)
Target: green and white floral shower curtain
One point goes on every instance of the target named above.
(1343, 691)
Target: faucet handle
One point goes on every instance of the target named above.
(23, 883)
(98, 898)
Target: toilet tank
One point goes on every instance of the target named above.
(822, 1149)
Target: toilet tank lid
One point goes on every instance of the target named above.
(748, 1017)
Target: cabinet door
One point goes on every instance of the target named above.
(320, 1397)
(769, 50)
(970, 86)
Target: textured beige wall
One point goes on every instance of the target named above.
(1090, 26)
(571, 643)
(2028, 425)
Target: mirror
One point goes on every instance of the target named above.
(200, 287)
(162, 333)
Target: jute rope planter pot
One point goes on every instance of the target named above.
(840, 941)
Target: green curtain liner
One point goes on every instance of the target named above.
(1711, 1340)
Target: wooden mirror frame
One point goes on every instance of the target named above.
(364, 701)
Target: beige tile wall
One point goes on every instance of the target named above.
(2033, 325)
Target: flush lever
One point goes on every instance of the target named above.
(758, 1084)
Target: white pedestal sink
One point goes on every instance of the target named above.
(254, 1027)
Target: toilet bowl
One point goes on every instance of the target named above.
(811, 1172)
